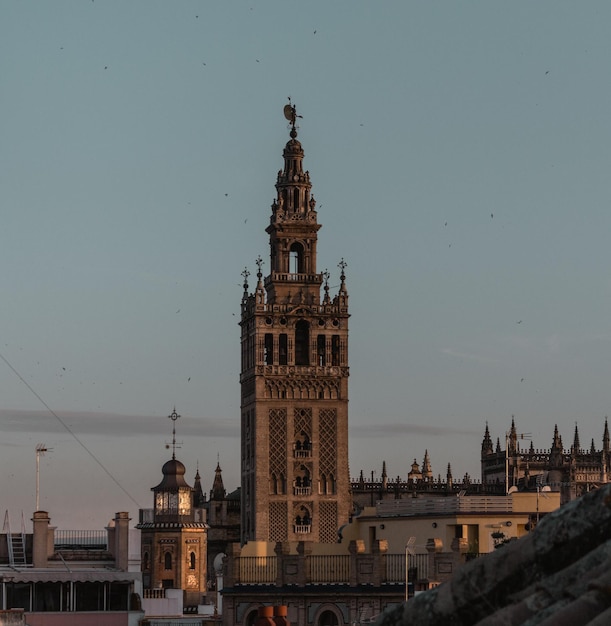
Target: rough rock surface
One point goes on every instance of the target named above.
(559, 574)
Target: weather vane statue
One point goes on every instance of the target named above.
(290, 112)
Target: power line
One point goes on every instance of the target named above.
(69, 430)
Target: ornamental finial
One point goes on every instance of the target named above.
(174, 416)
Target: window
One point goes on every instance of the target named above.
(118, 596)
(296, 259)
(18, 596)
(335, 350)
(321, 342)
(192, 560)
(283, 349)
(328, 618)
(167, 560)
(269, 349)
(302, 341)
(89, 596)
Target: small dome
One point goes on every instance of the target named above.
(293, 148)
(173, 467)
(173, 476)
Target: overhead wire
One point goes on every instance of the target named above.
(69, 430)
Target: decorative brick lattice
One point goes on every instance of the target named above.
(278, 529)
(277, 443)
(328, 441)
(302, 390)
(303, 423)
(328, 522)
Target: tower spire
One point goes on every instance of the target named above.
(293, 229)
(576, 443)
(487, 442)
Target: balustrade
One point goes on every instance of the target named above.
(302, 529)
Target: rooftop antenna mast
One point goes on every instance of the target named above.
(41, 448)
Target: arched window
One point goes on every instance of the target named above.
(328, 618)
(296, 262)
(167, 560)
(302, 343)
(251, 619)
(192, 560)
(146, 561)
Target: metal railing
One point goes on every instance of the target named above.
(418, 567)
(81, 539)
(443, 505)
(258, 570)
(329, 568)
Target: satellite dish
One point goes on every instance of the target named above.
(512, 489)
(546, 488)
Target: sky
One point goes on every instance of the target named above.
(459, 154)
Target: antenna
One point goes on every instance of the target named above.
(41, 448)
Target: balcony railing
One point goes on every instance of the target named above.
(303, 454)
(302, 491)
(302, 529)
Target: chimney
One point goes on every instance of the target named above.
(40, 542)
(120, 549)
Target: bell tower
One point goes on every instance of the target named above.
(294, 376)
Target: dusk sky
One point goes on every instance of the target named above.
(460, 155)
